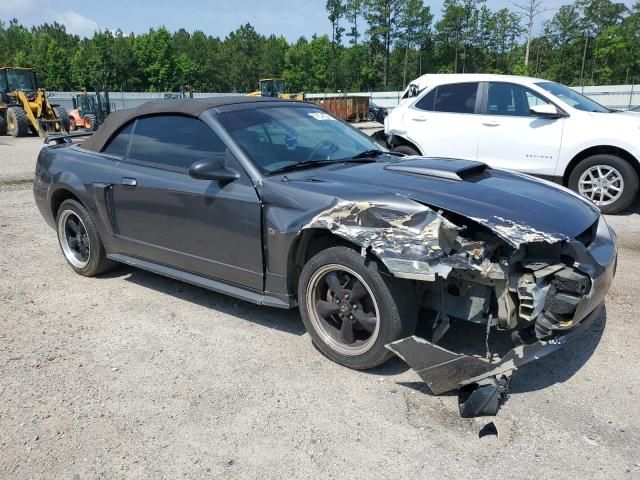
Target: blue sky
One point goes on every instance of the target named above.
(291, 18)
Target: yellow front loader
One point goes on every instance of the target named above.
(275, 87)
(25, 108)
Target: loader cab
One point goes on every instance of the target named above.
(271, 87)
(16, 79)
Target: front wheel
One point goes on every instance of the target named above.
(63, 118)
(608, 181)
(90, 122)
(351, 310)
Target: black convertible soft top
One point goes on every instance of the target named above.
(191, 107)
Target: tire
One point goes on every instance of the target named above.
(621, 175)
(72, 124)
(394, 306)
(17, 122)
(90, 122)
(406, 149)
(371, 116)
(95, 261)
(3, 124)
(63, 117)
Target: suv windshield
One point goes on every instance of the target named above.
(276, 137)
(572, 98)
(21, 80)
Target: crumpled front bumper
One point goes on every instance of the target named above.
(444, 370)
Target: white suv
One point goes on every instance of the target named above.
(525, 124)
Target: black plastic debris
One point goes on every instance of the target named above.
(487, 430)
(483, 398)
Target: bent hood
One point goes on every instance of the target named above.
(516, 207)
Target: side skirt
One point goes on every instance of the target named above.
(252, 296)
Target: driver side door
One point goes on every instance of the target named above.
(164, 215)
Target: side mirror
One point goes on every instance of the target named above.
(546, 111)
(213, 169)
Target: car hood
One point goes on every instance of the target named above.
(514, 206)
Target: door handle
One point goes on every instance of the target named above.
(490, 124)
(129, 182)
(418, 119)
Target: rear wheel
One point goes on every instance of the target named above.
(3, 124)
(608, 181)
(17, 122)
(406, 149)
(351, 310)
(79, 240)
(72, 124)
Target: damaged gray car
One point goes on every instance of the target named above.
(281, 204)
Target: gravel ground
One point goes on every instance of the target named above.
(132, 375)
(18, 157)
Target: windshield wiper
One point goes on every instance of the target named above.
(313, 163)
(375, 153)
(303, 164)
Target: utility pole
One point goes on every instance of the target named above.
(584, 58)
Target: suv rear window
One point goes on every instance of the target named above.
(454, 98)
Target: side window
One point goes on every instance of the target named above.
(119, 143)
(510, 99)
(3, 84)
(173, 141)
(427, 102)
(456, 98)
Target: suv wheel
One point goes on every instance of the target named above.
(351, 310)
(79, 240)
(608, 181)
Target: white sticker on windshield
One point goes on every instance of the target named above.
(321, 116)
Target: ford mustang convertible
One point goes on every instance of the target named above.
(281, 204)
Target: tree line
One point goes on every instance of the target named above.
(373, 45)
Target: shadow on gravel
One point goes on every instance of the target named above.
(561, 365)
(632, 209)
(287, 321)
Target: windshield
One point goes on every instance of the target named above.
(275, 137)
(572, 98)
(21, 80)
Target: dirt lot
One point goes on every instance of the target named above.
(132, 375)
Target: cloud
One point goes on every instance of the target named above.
(37, 12)
(76, 23)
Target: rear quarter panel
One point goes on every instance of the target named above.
(84, 174)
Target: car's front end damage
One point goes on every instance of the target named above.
(502, 276)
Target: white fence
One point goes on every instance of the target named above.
(620, 97)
